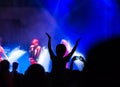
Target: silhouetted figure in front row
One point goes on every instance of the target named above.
(102, 67)
(58, 60)
(17, 76)
(6, 78)
(35, 76)
(14, 67)
(75, 75)
(59, 73)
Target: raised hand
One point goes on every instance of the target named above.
(48, 35)
(74, 58)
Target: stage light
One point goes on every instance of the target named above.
(44, 59)
(15, 54)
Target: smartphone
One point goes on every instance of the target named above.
(77, 57)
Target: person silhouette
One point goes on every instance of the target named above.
(35, 76)
(34, 51)
(59, 60)
(6, 78)
(17, 76)
(102, 64)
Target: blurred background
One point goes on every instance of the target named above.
(23, 20)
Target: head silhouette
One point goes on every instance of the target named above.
(60, 50)
(15, 65)
(35, 76)
(102, 65)
(4, 65)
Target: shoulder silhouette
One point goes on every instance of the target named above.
(102, 64)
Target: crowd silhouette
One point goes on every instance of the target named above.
(101, 68)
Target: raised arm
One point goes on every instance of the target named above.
(74, 48)
(49, 46)
(71, 64)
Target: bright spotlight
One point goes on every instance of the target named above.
(44, 59)
(15, 54)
